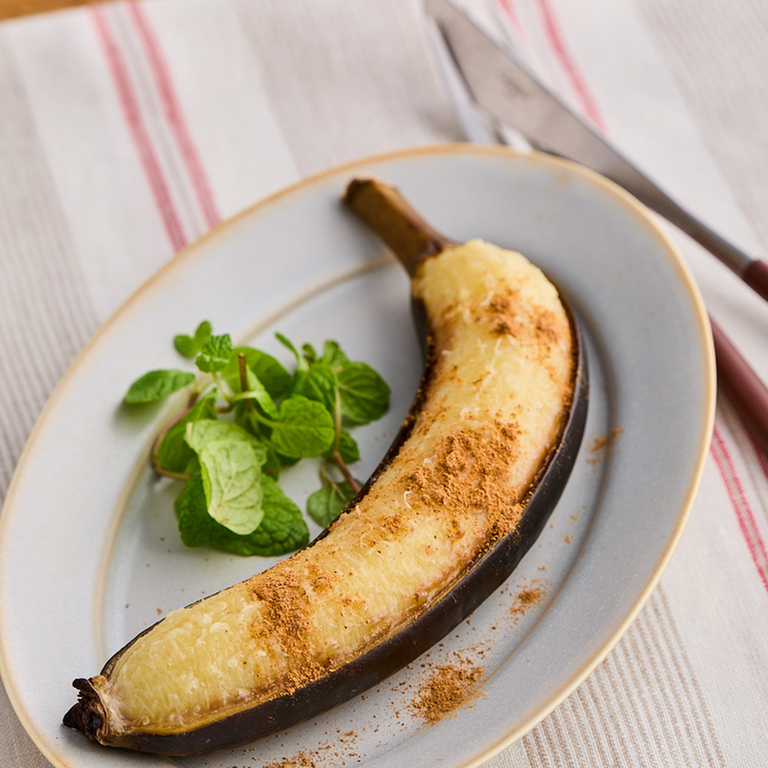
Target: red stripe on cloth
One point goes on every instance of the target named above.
(138, 129)
(586, 100)
(741, 507)
(175, 115)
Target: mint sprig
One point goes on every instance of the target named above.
(247, 418)
(214, 354)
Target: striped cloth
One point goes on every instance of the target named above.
(128, 130)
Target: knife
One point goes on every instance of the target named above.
(508, 90)
(477, 71)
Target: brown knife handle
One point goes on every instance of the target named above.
(756, 277)
(742, 386)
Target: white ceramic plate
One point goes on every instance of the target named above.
(88, 549)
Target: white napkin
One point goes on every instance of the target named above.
(152, 135)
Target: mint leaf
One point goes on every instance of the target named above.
(333, 356)
(174, 453)
(327, 503)
(195, 524)
(230, 463)
(157, 385)
(232, 482)
(185, 345)
(301, 361)
(302, 364)
(272, 465)
(269, 371)
(319, 384)
(214, 354)
(364, 393)
(348, 449)
(203, 431)
(189, 346)
(309, 353)
(304, 429)
(282, 529)
(258, 393)
(254, 392)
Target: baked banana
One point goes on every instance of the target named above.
(465, 489)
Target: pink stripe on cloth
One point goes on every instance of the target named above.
(138, 130)
(508, 8)
(586, 100)
(174, 114)
(741, 506)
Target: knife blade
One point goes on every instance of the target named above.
(506, 88)
(736, 378)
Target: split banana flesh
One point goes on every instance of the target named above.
(462, 494)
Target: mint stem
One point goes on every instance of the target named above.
(344, 469)
(154, 461)
(336, 453)
(242, 366)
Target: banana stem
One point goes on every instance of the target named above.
(392, 218)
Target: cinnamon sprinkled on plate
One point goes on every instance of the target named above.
(447, 688)
(600, 445)
(528, 596)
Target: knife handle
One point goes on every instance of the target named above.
(752, 271)
(756, 277)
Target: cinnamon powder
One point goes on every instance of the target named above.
(448, 687)
(286, 621)
(600, 445)
(527, 597)
(469, 472)
(501, 313)
(303, 759)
